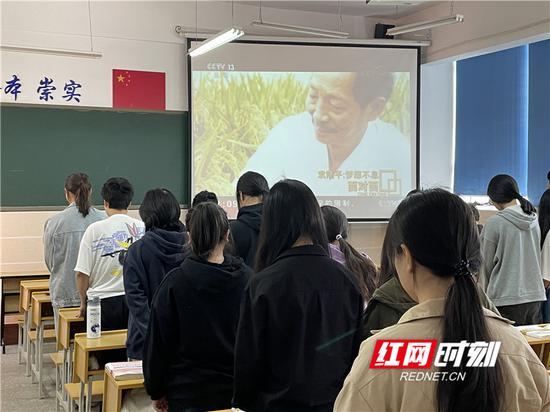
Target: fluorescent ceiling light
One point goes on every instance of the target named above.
(301, 29)
(408, 28)
(215, 41)
(57, 52)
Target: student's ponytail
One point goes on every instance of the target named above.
(79, 185)
(466, 321)
(504, 188)
(526, 205)
(361, 266)
(440, 232)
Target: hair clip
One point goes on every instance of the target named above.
(462, 268)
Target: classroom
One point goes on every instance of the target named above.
(279, 206)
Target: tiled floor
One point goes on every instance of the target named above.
(17, 393)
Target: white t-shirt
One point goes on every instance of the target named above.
(380, 163)
(102, 251)
(545, 261)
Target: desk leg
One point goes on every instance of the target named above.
(81, 399)
(2, 314)
(89, 396)
(39, 350)
(28, 348)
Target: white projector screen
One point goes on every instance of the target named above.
(340, 118)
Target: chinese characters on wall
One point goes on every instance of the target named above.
(46, 89)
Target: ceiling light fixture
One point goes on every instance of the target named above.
(409, 28)
(301, 29)
(216, 41)
(57, 52)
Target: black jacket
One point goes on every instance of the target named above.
(147, 262)
(191, 337)
(245, 231)
(298, 334)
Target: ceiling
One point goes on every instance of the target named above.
(374, 8)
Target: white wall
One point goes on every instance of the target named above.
(135, 35)
(436, 125)
(488, 26)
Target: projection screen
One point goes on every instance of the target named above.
(341, 118)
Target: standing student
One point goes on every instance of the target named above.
(251, 191)
(101, 255)
(300, 316)
(149, 259)
(510, 242)
(544, 223)
(188, 358)
(437, 254)
(390, 301)
(343, 252)
(62, 235)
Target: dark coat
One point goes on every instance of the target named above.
(189, 349)
(245, 231)
(146, 263)
(298, 333)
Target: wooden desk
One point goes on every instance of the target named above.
(540, 346)
(113, 390)
(69, 324)
(109, 340)
(26, 289)
(9, 285)
(42, 315)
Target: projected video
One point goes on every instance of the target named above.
(349, 135)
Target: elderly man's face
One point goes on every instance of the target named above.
(337, 117)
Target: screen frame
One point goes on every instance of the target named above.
(301, 42)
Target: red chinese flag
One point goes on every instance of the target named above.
(134, 89)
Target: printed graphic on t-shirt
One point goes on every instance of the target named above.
(118, 244)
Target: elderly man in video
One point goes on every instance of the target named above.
(339, 146)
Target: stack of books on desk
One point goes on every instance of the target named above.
(123, 371)
(535, 331)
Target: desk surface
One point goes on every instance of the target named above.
(27, 287)
(113, 339)
(23, 274)
(67, 318)
(41, 300)
(112, 391)
(532, 340)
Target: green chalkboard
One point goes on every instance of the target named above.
(41, 146)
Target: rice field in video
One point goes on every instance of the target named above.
(233, 113)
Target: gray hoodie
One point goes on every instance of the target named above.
(511, 272)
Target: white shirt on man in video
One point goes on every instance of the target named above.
(339, 146)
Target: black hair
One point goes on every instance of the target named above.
(544, 216)
(362, 267)
(504, 189)
(208, 226)
(79, 185)
(118, 193)
(289, 212)
(372, 84)
(548, 176)
(475, 212)
(251, 184)
(387, 266)
(188, 217)
(204, 196)
(439, 230)
(161, 210)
